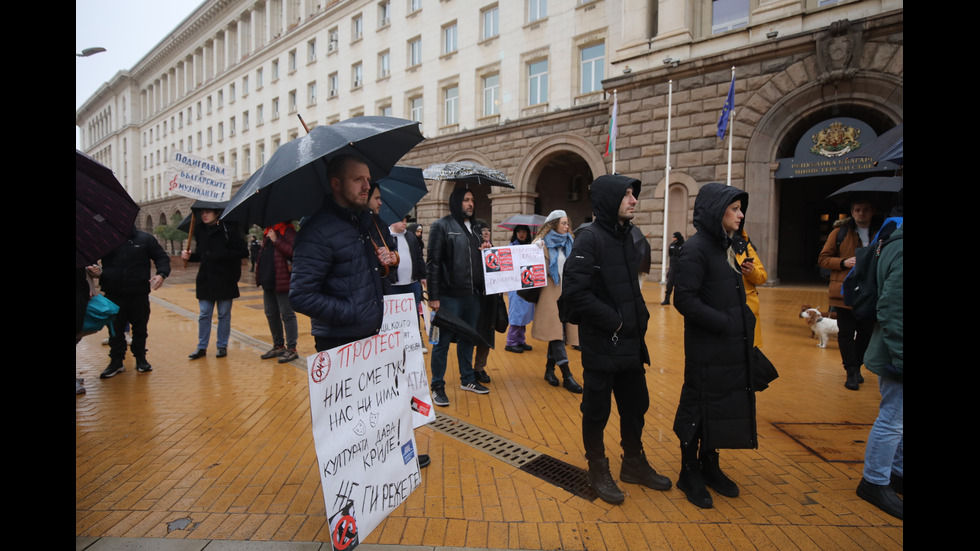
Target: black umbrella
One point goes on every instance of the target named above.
(293, 183)
(401, 190)
(185, 224)
(888, 147)
(529, 220)
(450, 322)
(467, 172)
(876, 187)
(104, 212)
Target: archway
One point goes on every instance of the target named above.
(876, 98)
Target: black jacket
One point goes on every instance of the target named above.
(716, 401)
(220, 250)
(335, 278)
(600, 284)
(126, 270)
(455, 264)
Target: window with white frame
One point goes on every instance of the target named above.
(311, 93)
(415, 51)
(384, 110)
(244, 121)
(384, 64)
(247, 159)
(311, 51)
(244, 86)
(210, 136)
(333, 40)
(231, 92)
(259, 114)
(450, 38)
(490, 20)
(537, 82)
(221, 98)
(592, 67)
(261, 158)
(333, 85)
(275, 70)
(221, 131)
(451, 104)
(414, 6)
(292, 60)
(356, 28)
(231, 126)
(384, 14)
(491, 95)
(357, 75)
(199, 111)
(292, 101)
(258, 78)
(536, 9)
(199, 142)
(415, 108)
(727, 15)
(275, 108)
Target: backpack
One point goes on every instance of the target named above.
(860, 287)
(100, 312)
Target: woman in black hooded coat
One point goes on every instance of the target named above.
(717, 405)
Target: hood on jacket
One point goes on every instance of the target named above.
(456, 206)
(606, 194)
(709, 209)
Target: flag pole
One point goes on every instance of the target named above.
(614, 129)
(731, 131)
(663, 247)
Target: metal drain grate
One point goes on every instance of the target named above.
(545, 467)
(561, 474)
(506, 450)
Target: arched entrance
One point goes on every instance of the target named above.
(799, 205)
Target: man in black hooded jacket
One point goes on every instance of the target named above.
(602, 294)
(455, 282)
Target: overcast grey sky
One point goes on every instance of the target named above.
(127, 29)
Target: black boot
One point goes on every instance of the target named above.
(666, 301)
(549, 374)
(636, 470)
(860, 377)
(898, 483)
(713, 477)
(602, 482)
(882, 497)
(690, 480)
(569, 382)
(852, 379)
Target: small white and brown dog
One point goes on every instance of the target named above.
(823, 327)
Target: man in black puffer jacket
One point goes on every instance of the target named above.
(336, 277)
(126, 281)
(602, 294)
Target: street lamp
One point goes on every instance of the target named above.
(90, 51)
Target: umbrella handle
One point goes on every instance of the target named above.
(190, 234)
(307, 128)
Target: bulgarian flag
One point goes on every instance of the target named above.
(611, 140)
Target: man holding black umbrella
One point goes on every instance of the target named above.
(335, 278)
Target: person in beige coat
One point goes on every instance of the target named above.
(555, 239)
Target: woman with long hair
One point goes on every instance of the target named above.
(519, 311)
(717, 404)
(555, 239)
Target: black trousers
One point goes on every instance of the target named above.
(632, 401)
(853, 337)
(135, 311)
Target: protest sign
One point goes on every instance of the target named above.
(366, 397)
(513, 268)
(198, 178)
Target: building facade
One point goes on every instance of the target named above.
(527, 87)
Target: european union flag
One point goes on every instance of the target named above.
(729, 105)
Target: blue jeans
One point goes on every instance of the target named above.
(884, 453)
(281, 317)
(467, 309)
(204, 323)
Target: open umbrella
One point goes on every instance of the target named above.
(185, 224)
(887, 147)
(104, 212)
(875, 187)
(467, 172)
(293, 183)
(529, 220)
(401, 190)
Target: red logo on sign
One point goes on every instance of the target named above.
(321, 367)
(344, 533)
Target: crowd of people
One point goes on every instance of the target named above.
(337, 268)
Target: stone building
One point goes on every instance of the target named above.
(527, 87)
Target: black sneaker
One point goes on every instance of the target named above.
(115, 367)
(514, 349)
(274, 353)
(143, 366)
(199, 353)
(439, 397)
(475, 387)
(482, 377)
(222, 352)
(527, 347)
(289, 356)
(424, 461)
